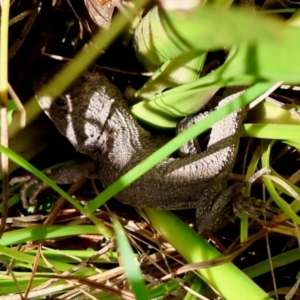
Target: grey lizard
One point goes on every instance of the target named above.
(95, 118)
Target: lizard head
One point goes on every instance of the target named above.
(81, 112)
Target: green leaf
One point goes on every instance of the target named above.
(11, 107)
(174, 72)
(166, 34)
(163, 35)
(132, 270)
(195, 249)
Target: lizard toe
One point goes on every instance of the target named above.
(29, 181)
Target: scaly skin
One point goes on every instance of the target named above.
(94, 116)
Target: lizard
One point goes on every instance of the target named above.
(93, 115)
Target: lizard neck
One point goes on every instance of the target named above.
(119, 138)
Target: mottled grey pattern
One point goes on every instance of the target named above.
(93, 115)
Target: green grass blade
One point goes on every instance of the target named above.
(132, 270)
(271, 131)
(280, 260)
(42, 232)
(164, 289)
(195, 249)
(174, 72)
(285, 207)
(163, 35)
(29, 259)
(164, 109)
(166, 34)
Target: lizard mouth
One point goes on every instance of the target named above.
(45, 102)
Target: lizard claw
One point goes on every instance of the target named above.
(28, 181)
(65, 175)
(254, 208)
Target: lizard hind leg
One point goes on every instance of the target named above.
(208, 221)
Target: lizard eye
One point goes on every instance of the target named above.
(60, 102)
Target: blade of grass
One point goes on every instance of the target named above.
(247, 63)
(166, 34)
(132, 270)
(280, 260)
(72, 256)
(195, 249)
(250, 171)
(174, 72)
(197, 286)
(165, 108)
(21, 256)
(42, 232)
(3, 108)
(271, 131)
(164, 289)
(285, 208)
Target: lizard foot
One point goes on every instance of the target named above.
(65, 175)
(28, 181)
(254, 208)
(232, 197)
(209, 221)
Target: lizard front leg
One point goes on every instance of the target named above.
(67, 175)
